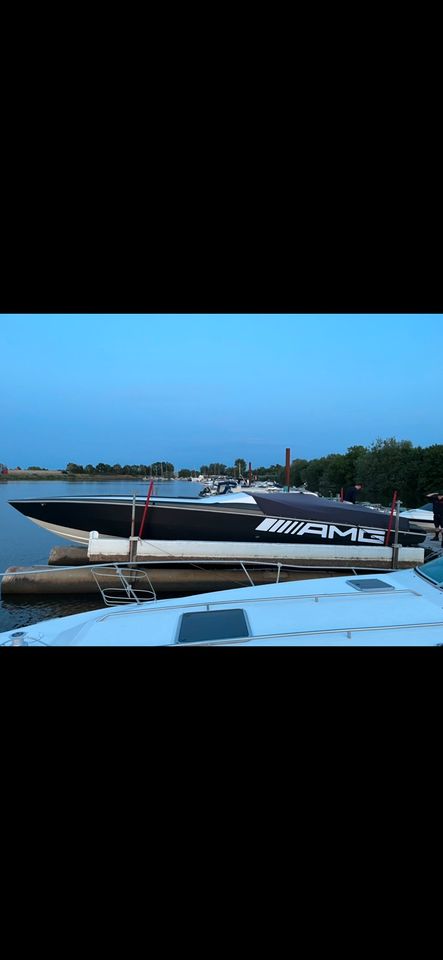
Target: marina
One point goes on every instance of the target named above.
(44, 575)
(226, 478)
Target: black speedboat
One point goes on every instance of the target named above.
(286, 518)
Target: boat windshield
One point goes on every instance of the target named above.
(433, 570)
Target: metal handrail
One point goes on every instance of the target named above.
(336, 631)
(127, 572)
(127, 592)
(198, 562)
(212, 604)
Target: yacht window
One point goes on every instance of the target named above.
(370, 583)
(213, 625)
(433, 570)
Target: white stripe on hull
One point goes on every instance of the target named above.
(68, 533)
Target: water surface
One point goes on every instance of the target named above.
(23, 543)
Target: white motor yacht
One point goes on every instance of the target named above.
(422, 517)
(399, 608)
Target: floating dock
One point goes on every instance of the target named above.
(311, 556)
(182, 567)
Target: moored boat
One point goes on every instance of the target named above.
(421, 517)
(398, 608)
(283, 518)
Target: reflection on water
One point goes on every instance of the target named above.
(22, 543)
(25, 610)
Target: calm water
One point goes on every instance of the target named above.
(22, 543)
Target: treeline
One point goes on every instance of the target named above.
(385, 466)
(159, 469)
(219, 469)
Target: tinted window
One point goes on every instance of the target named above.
(370, 583)
(212, 625)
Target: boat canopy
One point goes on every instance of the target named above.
(319, 510)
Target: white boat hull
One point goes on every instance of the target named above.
(395, 609)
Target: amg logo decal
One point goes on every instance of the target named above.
(325, 531)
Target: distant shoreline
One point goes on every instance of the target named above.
(74, 477)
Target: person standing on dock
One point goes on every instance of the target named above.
(351, 492)
(437, 505)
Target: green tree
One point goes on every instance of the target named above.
(431, 471)
(334, 469)
(295, 474)
(240, 467)
(390, 465)
(312, 474)
(351, 465)
(275, 472)
(217, 468)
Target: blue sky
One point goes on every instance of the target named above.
(201, 388)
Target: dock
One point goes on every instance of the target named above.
(182, 568)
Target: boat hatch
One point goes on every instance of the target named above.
(370, 583)
(213, 625)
